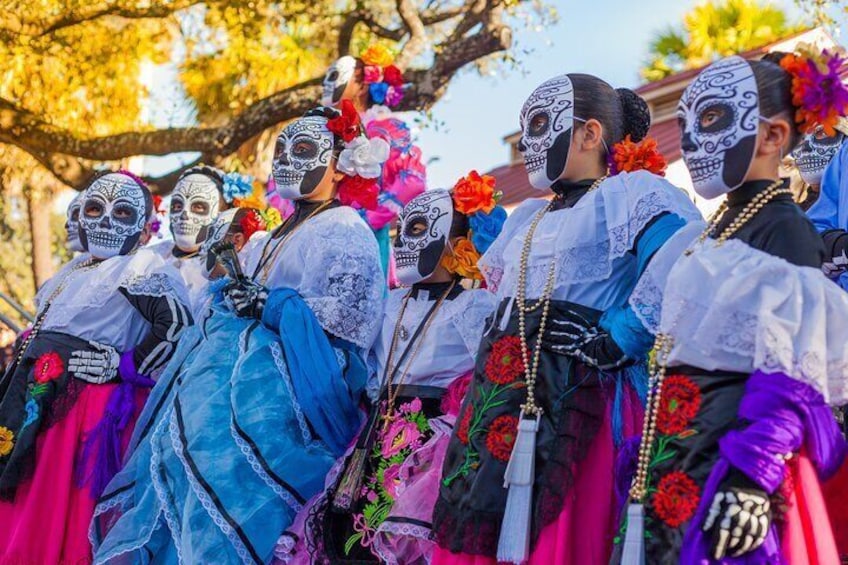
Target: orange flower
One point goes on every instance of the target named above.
(377, 55)
(628, 156)
(7, 441)
(473, 193)
(817, 89)
(463, 260)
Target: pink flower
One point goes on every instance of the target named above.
(394, 96)
(370, 495)
(373, 74)
(411, 407)
(452, 400)
(400, 435)
(48, 367)
(391, 480)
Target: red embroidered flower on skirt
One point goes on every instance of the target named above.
(464, 424)
(505, 364)
(501, 437)
(676, 498)
(48, 366)
(679, 403)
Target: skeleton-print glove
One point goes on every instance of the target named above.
(574, 336)
(836, 266)
(95, 367)
(739, 516)
(248, 298)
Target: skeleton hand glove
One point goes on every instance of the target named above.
(739, 517)
(248, 298)
(574, 336)
(95, 367)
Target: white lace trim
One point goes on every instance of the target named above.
(277, 354)
(736, 308)
(468, 313)
(154, 284)
(165, 502)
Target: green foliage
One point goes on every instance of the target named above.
(715, 29)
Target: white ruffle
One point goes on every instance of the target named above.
(735, 308)
(586, 238)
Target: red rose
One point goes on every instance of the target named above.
(346, 125)
(505, 363)
(464, 425)
(501, 437)
(251, 223)
(48, 367)
(676, 498)
(360, 191)
(393, 76)
(679, 403)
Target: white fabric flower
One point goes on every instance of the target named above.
(364, 157)
(376, 112)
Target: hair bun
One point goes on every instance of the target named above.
(637, 115)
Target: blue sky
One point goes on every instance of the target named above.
(607, 38)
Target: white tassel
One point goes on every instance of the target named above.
(514, 541)
(633, 550)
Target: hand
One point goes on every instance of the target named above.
(95, 367)
(248, 298)
(574, 336)
(739, 517)
(836, 266)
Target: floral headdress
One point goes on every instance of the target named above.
(236, 186)
(384, 79)
(255, 200)
(361, 160)
(817, 89)
(628, 156)
(474, 196)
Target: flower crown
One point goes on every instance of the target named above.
(817, 89)
(474, 196)
(384, 79)
(628, 156)
(361, 160)
(236, 186)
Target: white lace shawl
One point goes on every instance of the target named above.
(333, 262)
(587, 238)
(736, 308)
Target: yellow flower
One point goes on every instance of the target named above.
(377, 55)
(7, 441)
(272, 218)
(463, 260)
(255, 200)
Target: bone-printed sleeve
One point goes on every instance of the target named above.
(168, 317)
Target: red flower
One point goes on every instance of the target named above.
(251, 223)
(48, 367)
(393, 76)
(474, 192)
(464, 425)
(360, 191)
(505, 363)
(347, 124)
(628, 156)
(676, 498)
(501, 437)
(679, 403)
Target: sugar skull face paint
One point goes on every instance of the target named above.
(719, 120)
(194, 205)
(114, 212)
(814, 154)
(301, 157)
(72, 224)
(338, 76)
(423, 231)
(547, 123)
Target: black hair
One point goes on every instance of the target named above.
(620, 111)
(148, 196)
(329, 113)
(459, 225)
(774, 90)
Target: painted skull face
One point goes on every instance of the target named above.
(215, 233)
(719, 119)
(72, 224)
(303, 153)
(423, 230)
(547, 122)
(814, 154)
(114, 212)
(336, 80)
(194, 205)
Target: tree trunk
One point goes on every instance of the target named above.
(38, 209)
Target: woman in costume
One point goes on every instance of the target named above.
(812, 156)
(374, 86)
(378, 505)
(557, 381)
(106, 325)
(751, 339)
(73, 243)
(256, 415)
